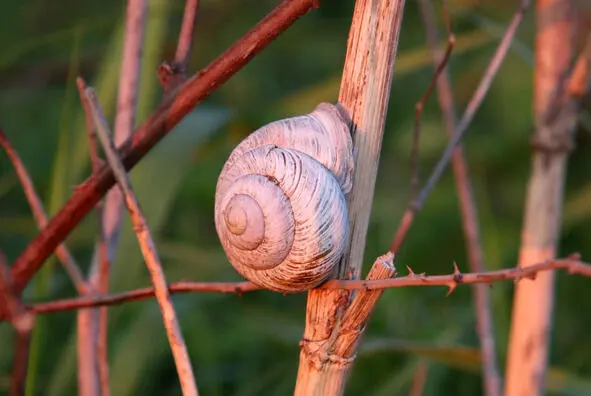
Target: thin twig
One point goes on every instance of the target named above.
(238, 288)
(21, 358)
(572, 265)
(148, 248)
(88, 321)
(473, 105)
(185, 98)
(171, 74)
(135, 22)
(419, 379)
(183, 49)
(112, 211)
(39, 215)
(451, 281)
(484, 321)
(100, 346)
(439, 69)
(22, 320)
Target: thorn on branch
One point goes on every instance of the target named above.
(574, 256)
(452, 287)
(458, 277)
(168, 74)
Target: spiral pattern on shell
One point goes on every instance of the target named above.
(280, 208)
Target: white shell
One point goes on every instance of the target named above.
(280, 208)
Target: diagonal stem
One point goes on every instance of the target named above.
(484, 321)
(462, 127)
(148, 248)
(39, 215)
(92, 338)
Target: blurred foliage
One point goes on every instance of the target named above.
(249, 345)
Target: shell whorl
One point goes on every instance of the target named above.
(280, 209)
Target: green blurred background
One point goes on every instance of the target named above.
(249, 345)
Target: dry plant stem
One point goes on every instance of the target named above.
(148, 248)
(89, 349)
(87, 353)
(182, 101)
(325, 363)
(88, 320)
(572, 265)
(125, 117)
(102, 351)
(238, 288)
(484, 321)
(22, 321)
(177, 72)
(171, 74)
(362, 304)
(183, 49)
(462, 127)
(21, 360)
(135, 23)
(531, 328)
(326, 352)
(419, 379)
(439, 68)
(62, 252)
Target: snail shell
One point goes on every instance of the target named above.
(280, 208)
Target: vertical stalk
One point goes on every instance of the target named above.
(533, 303)
(364, 94)
(482, 301)
(93, 373)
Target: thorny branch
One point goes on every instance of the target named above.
(183, 100)
(482, 304)
(571, 264)
(462, 127)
